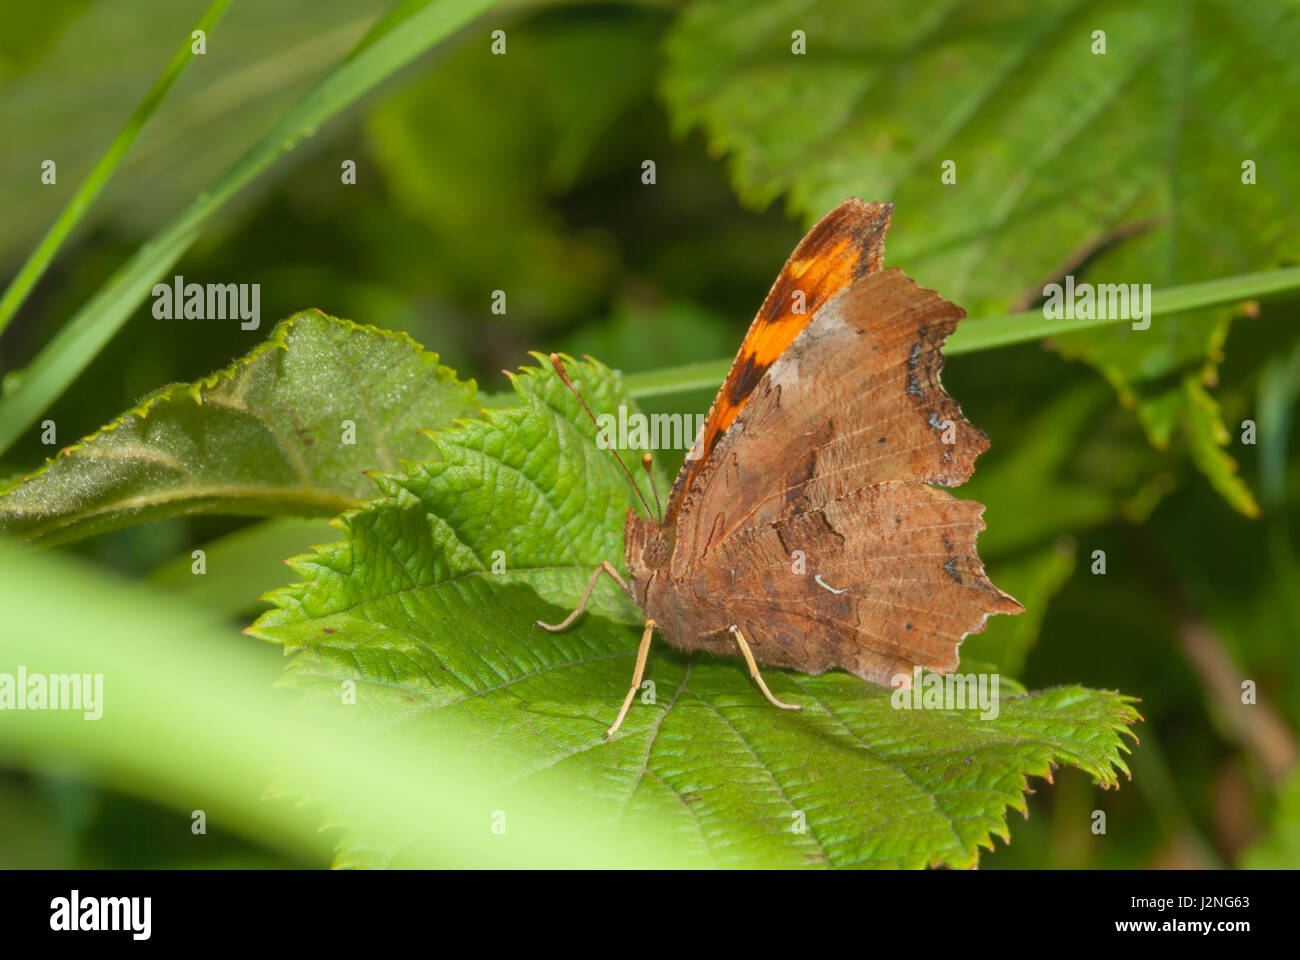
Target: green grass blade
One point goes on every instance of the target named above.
(985, 333)
(73, 348)
(34, 268)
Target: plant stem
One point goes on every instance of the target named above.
(985, 333)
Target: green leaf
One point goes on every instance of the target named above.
(1207, 436)
(1053, 144)
(266, 435)
(1059, 167)
(409, 609)
(1163, 373)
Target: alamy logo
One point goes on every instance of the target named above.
(179, 300)
(953, 691)
(73, 913)
(659, 431)
(1104, 301)
(53, 691)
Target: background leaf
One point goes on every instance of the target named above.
(263, 436)
(1067, 160)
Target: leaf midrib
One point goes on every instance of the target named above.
(324, 503)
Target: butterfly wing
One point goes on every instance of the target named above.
(847, 243)
(813, 524)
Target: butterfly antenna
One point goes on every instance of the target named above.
(647, 463)
(564, 375)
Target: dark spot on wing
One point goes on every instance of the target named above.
(749, 374)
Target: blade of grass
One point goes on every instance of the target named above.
(985, 333)
(34, 268)
(81, 339)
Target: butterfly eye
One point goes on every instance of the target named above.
(655, 554)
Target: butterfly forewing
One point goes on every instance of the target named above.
(847, 243)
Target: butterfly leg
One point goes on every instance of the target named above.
(605, 567)
(642, 652)
(753, 669)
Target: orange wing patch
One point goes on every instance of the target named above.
(846, 243)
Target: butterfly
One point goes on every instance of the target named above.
(810, 532)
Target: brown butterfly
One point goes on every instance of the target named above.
(810, 534)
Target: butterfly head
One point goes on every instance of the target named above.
(656, 553)
(647, 550)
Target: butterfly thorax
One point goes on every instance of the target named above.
(685, 619)
(648, 550)
(645, 552)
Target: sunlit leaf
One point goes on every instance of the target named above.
(290, 428)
